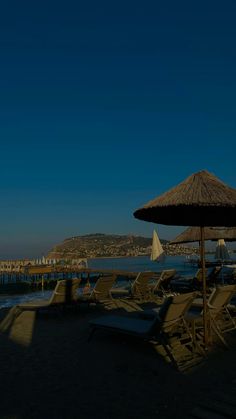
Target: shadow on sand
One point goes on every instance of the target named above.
(50, 370)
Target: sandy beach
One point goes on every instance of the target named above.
(50, 370)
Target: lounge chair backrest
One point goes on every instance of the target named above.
(174, 308)
(65, 291)
(102, 288)
(167, 274)
(165, 277)
(220, 297)
(140, 286)
(157, 286)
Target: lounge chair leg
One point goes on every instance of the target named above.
(168, 351)
(218, 333)
(193, 337)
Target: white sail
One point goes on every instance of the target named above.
(157, 249)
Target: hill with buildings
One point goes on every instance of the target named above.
(110, 245)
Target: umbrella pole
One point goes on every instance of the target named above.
(205, 337)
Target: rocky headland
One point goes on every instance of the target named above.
(112, 245)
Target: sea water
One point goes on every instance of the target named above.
(130, 264)
(143, 263)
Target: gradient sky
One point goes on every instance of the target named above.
(105, 105)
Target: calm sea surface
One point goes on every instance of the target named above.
(143, 263)
(132, 264)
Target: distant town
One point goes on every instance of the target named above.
(103, 245)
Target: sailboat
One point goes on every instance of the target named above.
(157, 249)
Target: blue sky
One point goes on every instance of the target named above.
(105, 105)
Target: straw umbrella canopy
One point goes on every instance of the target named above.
(193, 234)
(200, 200)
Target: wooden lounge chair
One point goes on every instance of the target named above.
(140, 288)
(162, 285)
(101, 292)
(64, 294)
(220, 318)
(167, 321)
(218, 307)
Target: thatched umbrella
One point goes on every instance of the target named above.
(200, 200)
(193, 234)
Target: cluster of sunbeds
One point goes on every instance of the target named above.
(179, 314)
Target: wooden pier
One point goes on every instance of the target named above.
(26, 278)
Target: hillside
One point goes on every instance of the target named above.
(102, 245)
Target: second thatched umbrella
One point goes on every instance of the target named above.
(200, 200)
(219, 234)
(193, 234)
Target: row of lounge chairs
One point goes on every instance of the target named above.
(147, 285)
(66, 291)
(178, 315)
